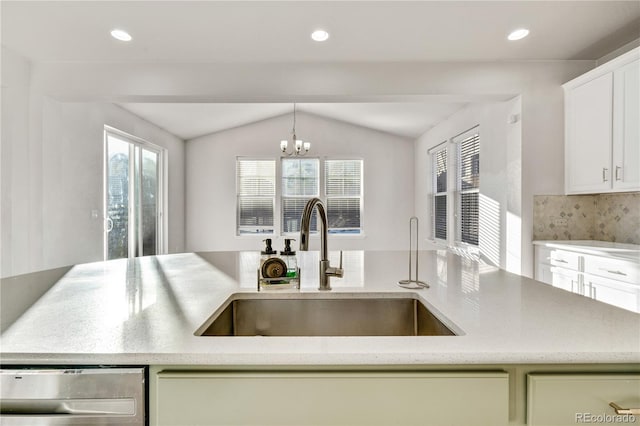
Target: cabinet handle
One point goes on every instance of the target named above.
(604, 174)
(557, 260)
(613, 272)
(620, 410)
(618, 168)
(592, 291)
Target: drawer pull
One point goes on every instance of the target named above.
(613, 272)
(620, 410)
(558, 260)
(618, 168)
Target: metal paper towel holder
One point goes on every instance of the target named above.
(413, 283)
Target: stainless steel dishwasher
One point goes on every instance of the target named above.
(73, 396)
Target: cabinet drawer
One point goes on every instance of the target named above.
(557, 257)
(615, 269)
(617, 293)
(324, 398)
(569, 399)
(566, 279)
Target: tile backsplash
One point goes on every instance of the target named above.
(604, 217)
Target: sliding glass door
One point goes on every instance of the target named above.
(133, 193)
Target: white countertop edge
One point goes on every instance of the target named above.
(602, 248)
(335, 360)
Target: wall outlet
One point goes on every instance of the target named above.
(560, 221)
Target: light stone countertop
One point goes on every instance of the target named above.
(599, 248)
(145, 311)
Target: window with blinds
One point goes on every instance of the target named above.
(343, 190)
(439, 202)
(300, 183)
(256, 195)
(468, 185)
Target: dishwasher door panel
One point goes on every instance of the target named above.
(72, 396)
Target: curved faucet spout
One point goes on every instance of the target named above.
(305, 224)
(326, 270)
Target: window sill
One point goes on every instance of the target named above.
(436, 244)
(316, 235)
(294, 235)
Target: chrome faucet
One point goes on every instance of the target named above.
(326, 270)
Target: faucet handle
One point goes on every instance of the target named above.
(336, 272)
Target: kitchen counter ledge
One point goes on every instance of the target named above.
(146, 310)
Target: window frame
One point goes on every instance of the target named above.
(273, 228)
(281, 197)
(325, 198)
(278, 227)
(433, 152)
(457, 142)
(454, 217)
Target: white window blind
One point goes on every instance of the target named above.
(255, 188)
(439, 180)
(300, 183)
(343, 189)
(468, 186)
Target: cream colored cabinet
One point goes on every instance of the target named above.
(570, 399)
(331, 398)
(602, 122)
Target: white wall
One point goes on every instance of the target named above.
(73, 148)
(52, 176)
(388, 180)
(537, 82)
(17, 166)
(499, 176)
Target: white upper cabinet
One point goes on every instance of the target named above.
(602, 128)
(588, 136)
(626, 127)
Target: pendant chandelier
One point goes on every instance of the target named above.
(299, 148)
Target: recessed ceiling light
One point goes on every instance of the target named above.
(320, 35)
(121, 35)
(518, 34)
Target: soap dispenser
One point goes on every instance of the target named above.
(289, 257)
(271, 266)
(268, 250)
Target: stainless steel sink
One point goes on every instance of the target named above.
(323, 316)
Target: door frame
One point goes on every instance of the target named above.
(161, 206)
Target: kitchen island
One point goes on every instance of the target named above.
(145, 311)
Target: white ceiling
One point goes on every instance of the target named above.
(278, 31)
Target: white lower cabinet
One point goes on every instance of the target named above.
(570, 399)
(608, 279)
(613, 292)
(331, 398)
